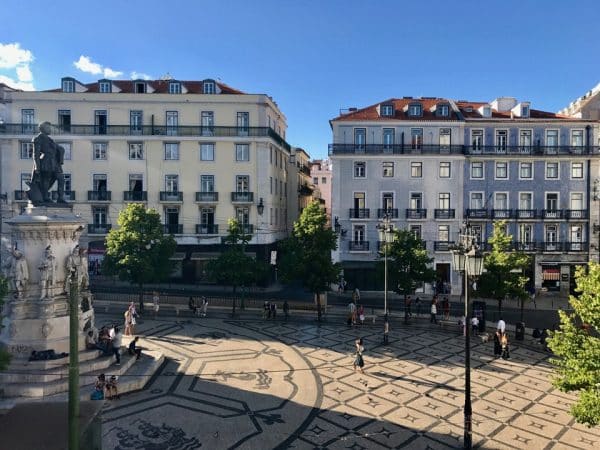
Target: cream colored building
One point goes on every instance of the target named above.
(320, 172)
(199, 152)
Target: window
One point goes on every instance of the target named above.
(174, 87)
(577, 201)
(67, 147)
(242, 152)
(524, 111)
(136, 150)
(416, 138)
(442, 110)
(25, 181)
(416, 169)
(577, 170)
(551, 138)
(99, 182)
(444, 170)
(552, 170)
(477, 170)
(140, 87)
(525, 139)
(207, 152)
(387, 201)
(207, 183)
(445, 138)
(360, 138)
(64, 120)
(551, 235)
(207, 121)
(172, 183)
(68, 185)
(501, 140)
(444, 200)
(416, 200)
(242, 183)
(388, 138)
(444, 233)
(136, 182)
(358, 234)
(388, 169)
(172, 121)
(360, 169)
(243, 123)
(501, 170)
(99, 150)
(416, 231)
(315, 180)
(135, 122)
(577, 138)
(525, 234)
(208, 87)
(68, 86)
(99, 214)
(476, 201)
(387, 110)
(100, 121)
(323, 180)
(500, 200)
(477, 139)
(28, 120)
(414, 109)
(104, 87)
(526, 170)
(243, 215)
(525, 200)
(171, 150)
(552, 201)
(26, 150)
(207, 217)
(359, 204)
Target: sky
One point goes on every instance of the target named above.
(314, 57)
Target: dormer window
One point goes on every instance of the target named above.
(487, 111)
(68, 86)
(443, 110)
(208, 87)
(387, 110)
(174, 87)
(525, 111)
(140, 87)
(104, 87)
(415, 110)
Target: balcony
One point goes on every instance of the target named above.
(135, 196)
(21, 196)
(360, 213)
(380, 245)
(358, 246)
(576, 246)
(551, 246)
(204, 228)
(171, 196)
(415, 214)
(69, 196)
(527, 246)
(99, 228)
(565, 150)
(397, 149)
(207, 197)
(443, 213)
(173, 228)
(305, 190)
(392, 213)
(552, 214)
(442, 246)
(502, 214)
(526, 214)
(576, 214)
(242, 197)
(99, 196)
(477, 213)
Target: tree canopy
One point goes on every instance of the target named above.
(577, 347)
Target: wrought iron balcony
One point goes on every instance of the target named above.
(360, 213)
(442, 246)
(477, 213)
(203, 228)
(444, 213)
(380, 245)
(69, 195)
(392, 213)
(173, 228)
(576, 246)
(358, 246)
(526, 246)
(207, 197)
(419, 213)
(242, 197)
(526, 213)
(397, 149)
(535, 150)
(21, 196)
(99, 196)
(99, 228)
(135, 196)
(171, 196)
(552, 213)
(552, 246)
(502, 214)
(305, 190)
(576, 214)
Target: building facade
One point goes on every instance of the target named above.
(199, 152)
(320, 172)
(431, 163)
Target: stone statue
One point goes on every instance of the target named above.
(85, 274)
(74, 267)
(19, 273)
(47, 168)
(47, 266)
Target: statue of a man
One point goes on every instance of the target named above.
(74, 267)
(19, 273)
(47, 167)
(47, 266)
(85, 274)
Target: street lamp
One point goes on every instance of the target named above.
(468, 260)
(386, 235)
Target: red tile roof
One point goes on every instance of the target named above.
(475, 114)
(157, 86)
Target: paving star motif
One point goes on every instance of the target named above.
(316, 430)
(539, 426)
(372, 403)
(521, 439)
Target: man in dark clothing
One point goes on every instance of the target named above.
(134, 349)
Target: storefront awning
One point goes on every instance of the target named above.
(177, 256)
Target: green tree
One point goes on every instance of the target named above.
(4, 355)
(306, 255)
(138, 251)
(577, 347)
(409, 265)
(504, 267)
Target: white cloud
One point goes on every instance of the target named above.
(24, 73)
(12, 55)
(140, 76)
(85, 64)
(109, 73)
(25, 86)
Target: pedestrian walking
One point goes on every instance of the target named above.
(266, 310)
(418, 306)
(273, 310)
(356, 296)
(192, 305)
(475, 325)
(433, 318)
(497, 344)
(134, 317)
(446, 308)
(155, 303)
(127, 324)
(351, 312)
(204, 306)
(359, 362)
(504, 344)
(286, 310)
(386, 331)
(116, 345)
(409, 306)
(361, 314)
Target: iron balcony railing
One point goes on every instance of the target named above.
(552, 214)
(148, 130)
(444, 213)
(207, 196)
(551, 246)
(576, 246)
(576, 214)
(171, 196)
(442, 246)
(381, 243)
(396, 149)
(242, 197)
(392, 213)
(533, 150)
(419, 213)
(99, 228)
(135, 196)
(358, 246)
(203, 228)
(173, 228)
(524, 246)
(502, 214)
(99, 196)
(477, 213)
(359, 213)
(21, 196)
(526, 213)
(69, 196)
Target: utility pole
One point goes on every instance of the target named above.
(74, 363)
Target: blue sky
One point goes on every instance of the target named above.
(315, 56)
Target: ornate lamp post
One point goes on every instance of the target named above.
(386, 235)
(468, 260)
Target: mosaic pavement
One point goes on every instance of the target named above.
(262, 385)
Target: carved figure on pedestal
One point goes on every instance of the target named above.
(47, 271)
(47, 168)
(85, 274)
(19, 273)
(74, 268)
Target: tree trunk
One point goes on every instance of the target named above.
(233, 301)
(141, 297)
(318, 294)
(522, 308)
(405, 310)
(500, 307)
